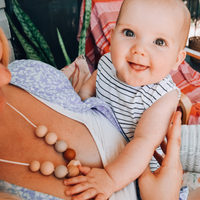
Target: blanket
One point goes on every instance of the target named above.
(188, 80)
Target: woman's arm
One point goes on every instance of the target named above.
(167, 179)
(89, 88)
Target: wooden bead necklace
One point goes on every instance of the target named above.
(47, 168)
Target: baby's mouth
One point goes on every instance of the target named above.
(138, 67)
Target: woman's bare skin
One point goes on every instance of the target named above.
(19, 143)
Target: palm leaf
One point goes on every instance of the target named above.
(68, 61)
(33, 34)
(30, 52)
(86, 23)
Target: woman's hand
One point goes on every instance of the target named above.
(165, 182)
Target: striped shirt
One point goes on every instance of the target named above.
(127, 102)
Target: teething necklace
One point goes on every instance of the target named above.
(47, 167)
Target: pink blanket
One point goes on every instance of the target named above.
(188, 80)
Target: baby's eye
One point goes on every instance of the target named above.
(160, 42)
(128, 33)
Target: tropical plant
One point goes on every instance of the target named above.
(67, 59)
(38, 48)
(86, 23)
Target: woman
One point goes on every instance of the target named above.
(95, 140)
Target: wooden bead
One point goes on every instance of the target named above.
(74, 162)
(72, 171)
(50, 138)
(41, 131)
(61, 146)
(69, 154)
(34, 166)
(47, 168)
(60, 171)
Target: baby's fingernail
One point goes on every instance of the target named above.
(65, 182)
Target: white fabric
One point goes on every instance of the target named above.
(108, 139)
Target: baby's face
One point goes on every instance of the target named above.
(145, 44)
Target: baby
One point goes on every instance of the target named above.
(146, 44)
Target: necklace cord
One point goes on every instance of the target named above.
(47, 168)
(13, 162)
(22, 115)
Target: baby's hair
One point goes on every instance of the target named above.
(185, 16)
(6, 196)
(178, 3)
(186, 25)
(4, 59)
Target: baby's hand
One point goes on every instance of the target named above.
(94, 183)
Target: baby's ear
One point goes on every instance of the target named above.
(181, 56)
(111, 33)
(111, 36)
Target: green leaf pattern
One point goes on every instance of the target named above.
(42, 49)
(30, 52)
(33, 33)
(86, 23)
(191, 180)
(68, 61)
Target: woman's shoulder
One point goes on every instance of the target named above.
(32, 68)
(42, 80)
(32, 74)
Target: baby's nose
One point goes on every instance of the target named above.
(139, 48)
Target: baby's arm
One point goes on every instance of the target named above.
(89, 88)
(149, 133)
(134, 158)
